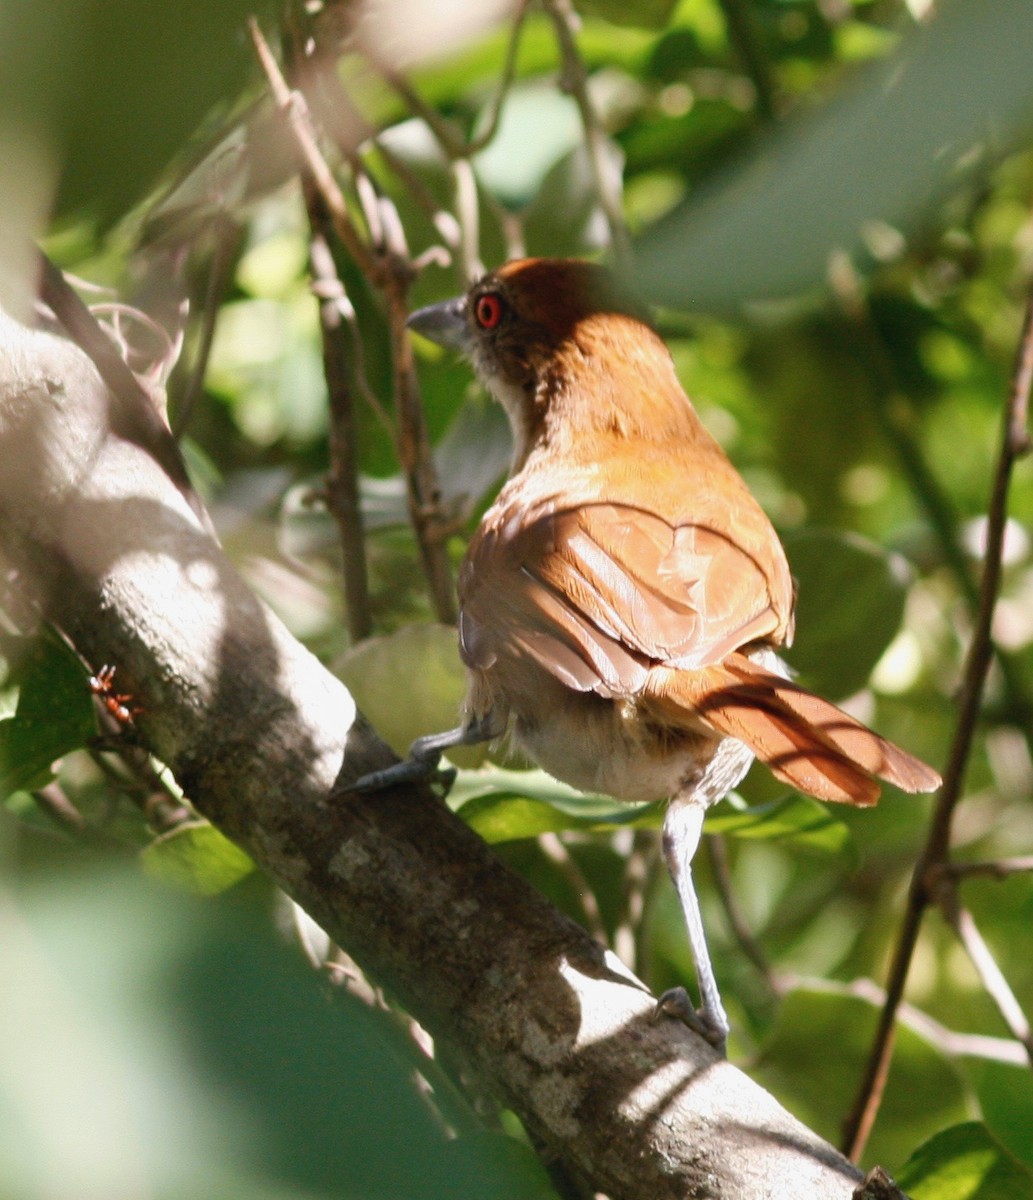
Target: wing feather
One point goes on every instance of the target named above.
(600, 594)
(804, 740)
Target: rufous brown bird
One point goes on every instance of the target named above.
(624, 599)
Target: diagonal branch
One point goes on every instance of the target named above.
(575, 82)
(389, 270)
(990, 974)
(132, 411)
(257, 731)
(292, 104)
(342, 484)
(453, 144)
(998, 868)
(1015, 443)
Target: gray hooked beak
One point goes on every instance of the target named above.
(444, 323)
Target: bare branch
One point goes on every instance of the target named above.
(295, 110)
(390, 271)
(342, 484)
(949, 1041)
(990, 974)
(257, 731)
(575, 81)
(1015, 442)
(717, 851)
(999, 868)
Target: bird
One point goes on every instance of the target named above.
(624, 599)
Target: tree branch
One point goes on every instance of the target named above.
(574, 81)
(257, 731)
(342, 483)
(389, 270)
(743, 37)
(990, 974)
(1015, 443)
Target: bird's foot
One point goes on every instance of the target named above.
(422, 765)
(417, 768)
(710, 1024)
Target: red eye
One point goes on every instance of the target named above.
(487, 310)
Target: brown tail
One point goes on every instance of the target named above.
(804, 740)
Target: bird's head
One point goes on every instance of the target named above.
(563, 347)
(512, 323)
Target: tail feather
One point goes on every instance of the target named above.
(804, 740)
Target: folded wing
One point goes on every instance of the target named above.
(611, 599)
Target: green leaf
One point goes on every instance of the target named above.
(797, 819)
(965, 1163)
(474, 453)
(955, 96)
(209, 1061)
(515, 1170)
(197, 857)
(53, 716)
(851, 596)
(538, 126)
(1005, 1090)
(565, 218)
(505, 806)
(508, 818)
(112, 88)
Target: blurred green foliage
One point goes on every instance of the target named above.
(841, 239)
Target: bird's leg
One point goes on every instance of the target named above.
(421, 765)
(682, 828)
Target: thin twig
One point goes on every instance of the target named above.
(717, 851)
(454, 144)
(999, 868)
(52, 800)
(413, 441)
(990, 974)
(1015, 443)
(56, 805)
(574, 81)
(424, 490)
(227, 241)
(342, 483)
(133, 412)
(896, 424)
(295, 110)
(389, 270)
(949, 1041)
(468, 216)
(443, 221)
(742, 35)
(333, 98)
(641, 854)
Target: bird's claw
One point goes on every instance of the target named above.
(711, 1026)
(414, 769)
